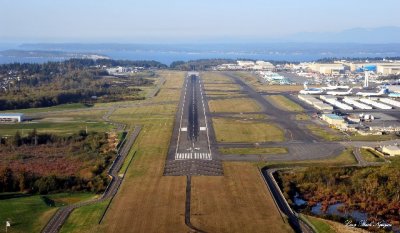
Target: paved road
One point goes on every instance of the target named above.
(282, 118)
(361, 161)
(59, 218)
(297, 224)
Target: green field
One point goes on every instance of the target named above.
(234, 105)
(56, 128)
(326, 134)
(228, 130)
(345, 158)
(320, 225)
(253, 151)
(31, 213)
(370, 156)
(50, 109)
(302, 117)
(83, 218)
(284, 103)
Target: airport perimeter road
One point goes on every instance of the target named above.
(297, 224)
(293, 131)
(59, 218)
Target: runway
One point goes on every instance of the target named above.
(191, 138)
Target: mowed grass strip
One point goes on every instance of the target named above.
(319, 224)
(253, 151)
(234, 105)
(221, 87)
(82, 219)
(215, 77)
(344, 158)
(302, 117)
(31, 214)
(284, 103)
(228, 130)
(239, 201)
(370, 156)
(148, 201)
(326, 134)
(56, 128)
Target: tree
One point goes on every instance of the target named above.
(17, 140)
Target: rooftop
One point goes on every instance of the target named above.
(334, 116)
(11, 114)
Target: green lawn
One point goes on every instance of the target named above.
(302, 117)
(359, 137)
(249, 151)
(49, 109)
(31, 213)
(319, 224)
(53, 127)
(345, 158)
(370, 156)
(284, 103)
(328, 135)
(84, 218)
(228, 130)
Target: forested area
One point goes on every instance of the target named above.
(43, 163)
(76, 80)
(374, 190)
(202, 64)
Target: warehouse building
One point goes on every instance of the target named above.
(11, 117)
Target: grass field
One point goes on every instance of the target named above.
(82, 219)
(147, 201)
(228, 130)
(284, 103)
(51, 127)
(345, 158)
(215, 77)
(50, 109)
(30, 214)
(253, 151)
(234, 105)
(319, 224)
(370, 156)
(221, 87)
(237, 202)
(328, 135)
(328, 226)
(386, 137)
(302, 117)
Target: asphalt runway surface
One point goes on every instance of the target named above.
(190, 151)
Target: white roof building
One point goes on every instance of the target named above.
(11, 117)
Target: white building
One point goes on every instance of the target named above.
(246, 64)
(11, 117)
(263, 65)
(388, 69)
(391, 150)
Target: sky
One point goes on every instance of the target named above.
(169, 21)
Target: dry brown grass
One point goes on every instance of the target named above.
(237, 202)
(236, 105)
(228, 130)
(215, 77)
(284, 103)
(148, 201)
